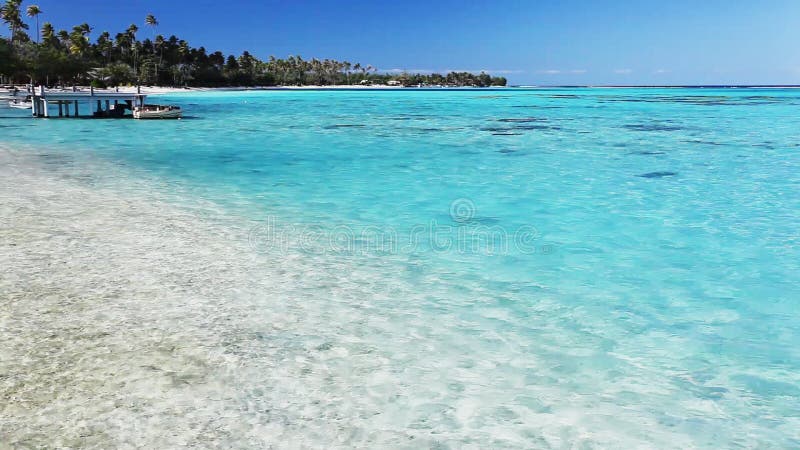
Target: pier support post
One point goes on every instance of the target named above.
(76, 109)
(60, 109)
(45, 109)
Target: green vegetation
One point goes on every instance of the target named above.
(70, 57)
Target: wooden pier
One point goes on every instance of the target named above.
(90, 104)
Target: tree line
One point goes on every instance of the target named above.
(49, 56)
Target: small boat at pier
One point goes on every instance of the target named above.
(21, 104)
(157, 112)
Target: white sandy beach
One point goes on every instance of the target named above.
(128, 322)
(160, 90)
(155, 90)
(93, 286)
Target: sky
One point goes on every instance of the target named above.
(543, 42)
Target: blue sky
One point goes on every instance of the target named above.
(529, 42)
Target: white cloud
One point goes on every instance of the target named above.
(444, 71)
(557, 71)
(623, 71)
(408, 70)
(503, 71)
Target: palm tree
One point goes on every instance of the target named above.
(104, 44)
(151, 21)
(159, 44)
(347, 66)
(121, 43)
(49, 34)
(183, 69)
(10, 14)
(78, 40)
(183, 50)
(131, 32)
(283, 66)
(34, 11)
(63, 38)
(290, 63)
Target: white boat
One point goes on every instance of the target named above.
(157, 112)
(21, 104)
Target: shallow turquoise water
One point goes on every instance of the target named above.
(623, 264)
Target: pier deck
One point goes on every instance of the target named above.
(94, 104)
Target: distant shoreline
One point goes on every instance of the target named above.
(158, 90)
(688, 86)
(447, 88)
(161, 90)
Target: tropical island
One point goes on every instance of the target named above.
(70, 57)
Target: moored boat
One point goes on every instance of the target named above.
(157, 112)
(21, 104)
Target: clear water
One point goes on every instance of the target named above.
(537, 268)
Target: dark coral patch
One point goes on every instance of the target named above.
(652, 127)
(657, 174)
